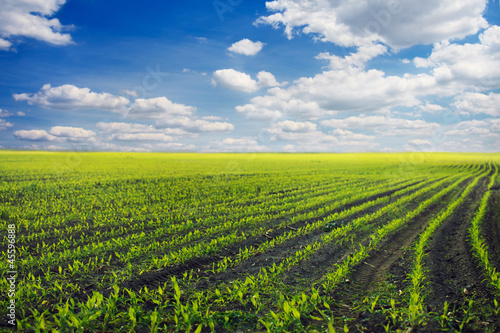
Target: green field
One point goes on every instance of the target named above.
(124, 242)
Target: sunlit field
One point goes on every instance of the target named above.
(124, 242)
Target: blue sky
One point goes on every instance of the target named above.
(239, 75)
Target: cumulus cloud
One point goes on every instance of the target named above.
(307, 138)
(470, 128)
(211, 118)
(32, 19)
(5, 44)
(246, 47)
(296, 126)
(418, 145)
(5, 113)
(74, 133)
(385, 126)
(347, 86)
(4, 124)
(132, 93)
(342, 90)
(240, 81)
(356, 59)
(348, 136)
(70, 97)
(159, 107)
(196, 125)
(34, 135)
(174, 146)
(244, 144)
(57, 133)
(133, 131)
(476, 103)
(280, 103)
(55, 148)
(141, 137)
(468, 66)
(431, 108)
(120, 127)
(399, 24)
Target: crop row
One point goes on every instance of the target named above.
(477, 241)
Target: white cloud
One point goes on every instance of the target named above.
(141, 137)
(5, 44)
(495, 124)
(5, 113)
(282, 103)
(476, 103)
(118, 127)
(211, 118)
(244, 144)
(418, 142)
(258, 112)
(308, 139)
(195, 125)
(385, 126)
(59, 134)
(469, 128)
(159, 107)
(431, 108)
(55, 148)
(130, 92)
(20, 113)
(419, 145)
(34, 135)
(398, 24)
(174, 146)
(347, 86)
(348, 136)
(468, 66)
(240, 81)
(32, 19)
(296, 127)
(121, 131)
(4, 124)
(132, 149)
(358, 59)
(72, 133)
(69, 97)
(246, 47)
(350, 89)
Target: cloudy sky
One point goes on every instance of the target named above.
(241, 75)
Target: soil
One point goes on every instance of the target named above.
(388, 259)
(452, 268)
(453, 274)
(274, 255)
(491, 227)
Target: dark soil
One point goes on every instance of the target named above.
(388, 259)
(491, 228)
(374, 267)
(453, 273)
(274, 255)
(452, 268)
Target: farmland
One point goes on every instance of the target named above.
(123, 242)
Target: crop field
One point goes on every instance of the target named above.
(132, 242)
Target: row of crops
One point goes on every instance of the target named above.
(224, 242)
